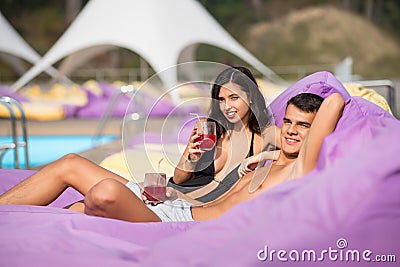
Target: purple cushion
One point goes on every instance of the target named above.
(145, 104)
(320, 83)
(97, 105)
(159, 108)
(9, 177)
(94, 108)
(107, 89)
(150, 106)
(122, 102)
(70, 111)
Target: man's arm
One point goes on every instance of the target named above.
(324, 124)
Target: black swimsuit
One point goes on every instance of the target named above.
(204, 173)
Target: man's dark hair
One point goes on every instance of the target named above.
(306, 102)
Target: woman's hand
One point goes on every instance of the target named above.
(194, 146)
(251, 163)
(171, 193)
(187, 164)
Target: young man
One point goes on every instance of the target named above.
(306, 123)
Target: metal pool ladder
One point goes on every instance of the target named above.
(107, 115)
(10, 103)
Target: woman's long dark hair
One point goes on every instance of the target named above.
(259, 116)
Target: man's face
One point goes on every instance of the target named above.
(295, 128)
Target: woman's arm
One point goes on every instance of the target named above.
(270, 137)
(251, 163)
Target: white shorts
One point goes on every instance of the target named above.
(178, 210)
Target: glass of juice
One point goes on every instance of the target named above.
(155, 186)
(207, 135)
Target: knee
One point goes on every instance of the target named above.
(69, 162)
(70, 157)
(102, 195)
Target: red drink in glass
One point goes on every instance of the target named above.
(207, 141)
(155, 186)
(155, 193)
(207, 135)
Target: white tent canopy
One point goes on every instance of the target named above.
(156, 30)
(13, 44)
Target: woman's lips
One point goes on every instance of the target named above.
(230, 114)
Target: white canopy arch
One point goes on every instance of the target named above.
(12, 44)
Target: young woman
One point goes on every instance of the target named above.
(243, 130)
(236, 119)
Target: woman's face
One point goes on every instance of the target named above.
(234, 103)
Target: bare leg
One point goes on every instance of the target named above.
(47, 184)
(77, 206)
(112, 199)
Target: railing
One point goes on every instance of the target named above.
(129, 89)
(9, 103)
(388, 85)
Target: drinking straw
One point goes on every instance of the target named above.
(159, 163)
(195, 114)
(158, 170)
(198, 118)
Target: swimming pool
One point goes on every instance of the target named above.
(45, 149)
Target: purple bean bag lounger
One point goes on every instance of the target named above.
(345, 212)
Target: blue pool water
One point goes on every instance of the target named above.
(45, 149)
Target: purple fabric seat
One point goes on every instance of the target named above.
(351, 198)
(98, 104)
(147, 105)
